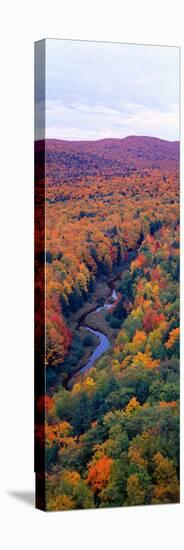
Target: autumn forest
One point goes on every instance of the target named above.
(111, 431)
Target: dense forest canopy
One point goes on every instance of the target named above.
(112, 436)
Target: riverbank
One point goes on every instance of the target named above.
(92, 315)
(103, 342)
(93, 319)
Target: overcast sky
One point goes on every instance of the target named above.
(98, 90)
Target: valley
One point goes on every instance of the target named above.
(112, 322)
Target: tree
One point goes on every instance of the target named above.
(135, 491)
(166, 487)
(60, 502)
(58, 336)
(99, 473)
(132, 406)
(173, 340)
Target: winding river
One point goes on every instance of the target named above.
(103, 345)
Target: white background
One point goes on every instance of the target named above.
(23, 527)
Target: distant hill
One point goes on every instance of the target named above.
(66, 160)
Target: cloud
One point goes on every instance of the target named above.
(86, 122)
(96, 90)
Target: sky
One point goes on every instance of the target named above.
(102, 90)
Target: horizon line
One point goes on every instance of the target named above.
(108, 138)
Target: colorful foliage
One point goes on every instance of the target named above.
(112, 438)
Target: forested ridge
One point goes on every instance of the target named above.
(112, 439)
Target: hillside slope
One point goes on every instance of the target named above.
(68, 160)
